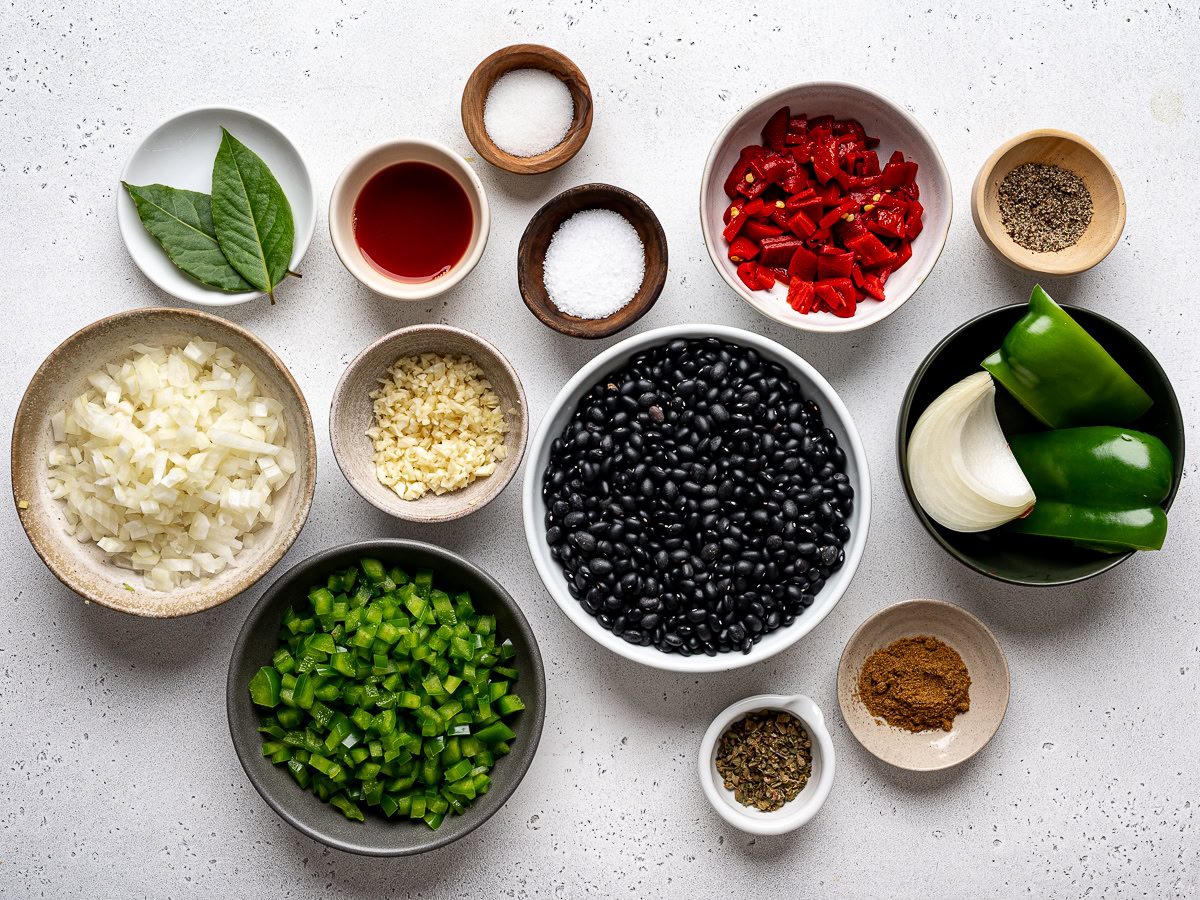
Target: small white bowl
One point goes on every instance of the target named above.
(179, 152)
(812, 796)
(896, 130)
(361, 170)
(836, 417)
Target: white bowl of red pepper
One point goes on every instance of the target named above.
(825, 206)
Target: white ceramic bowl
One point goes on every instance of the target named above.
(836, 417)
(896, 130)
(812, 796)
(361, 170)
(179, 152)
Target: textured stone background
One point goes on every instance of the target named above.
(117, 777)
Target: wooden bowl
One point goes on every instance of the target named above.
(927, 751)
(1050, 146)
(83, 567)
(531, 256)
(351, 414)
(526, 56)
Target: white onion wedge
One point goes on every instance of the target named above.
(962, 472)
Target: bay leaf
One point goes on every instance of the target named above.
(182, 223)
(251, 215)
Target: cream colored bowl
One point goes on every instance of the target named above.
(83, 567)
(361, 170)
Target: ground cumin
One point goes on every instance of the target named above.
(916, 683)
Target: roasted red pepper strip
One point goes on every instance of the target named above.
(734, 226)
(803, 264)
(778, 251)
(746, 272)
(742, 249)
(756, 230)
(776, 129)
(765, 276)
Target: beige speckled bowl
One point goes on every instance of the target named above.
(351, 414)
(63, 377)
(927, 751)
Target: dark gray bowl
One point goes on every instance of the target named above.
(379, 836)
(1018, 558)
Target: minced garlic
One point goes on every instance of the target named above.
(438, 425)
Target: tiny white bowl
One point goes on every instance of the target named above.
(812, 796)
(896, 130)
(836, 417)
(367, 165)
(179, 152)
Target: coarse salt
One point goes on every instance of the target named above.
(594, 264)
(528, 111)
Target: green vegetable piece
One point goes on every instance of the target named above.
(423, 582)
(1100, 487)
(182, 223)
(265, 687)
(1061, 374)
(495, 733)
(251, 215)
(508, 704)
(349, 809)
(373, 569)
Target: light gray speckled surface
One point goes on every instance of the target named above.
(116, 773)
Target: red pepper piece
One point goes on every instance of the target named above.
(794, 184)
(803, 264)
(800, 295)
(821, 122)
(801, 224)
(796, 200)
(780, 217)
(781, 275)
(751, 189)
(734, 226)
(888, 222)
(754, 207)
(776, 128)
(896, 174)
(834, 265)
(912, 227)
(837, 212)
(870, 249)
(757, 230)
(765, 276)
(728, 214)
(772, 169)
(742, 249)
(825, 165)
(747, 271)
(798, 124)
(872, 285)
(883, 273)
(735, 176)
(903, 255)
(829, 295)
(778, 251)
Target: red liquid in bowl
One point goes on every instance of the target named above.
(413, 221)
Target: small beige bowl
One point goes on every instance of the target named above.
(355, 177)
(1049, 146)
(526, 56)
(352, 413)
(927, 751)
(63, 377)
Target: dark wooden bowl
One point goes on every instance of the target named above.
(526, 56)
(531, 255)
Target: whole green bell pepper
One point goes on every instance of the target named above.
(1100, 487)
(1061, 374)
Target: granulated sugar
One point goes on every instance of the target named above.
(528, 111)
(594, 264)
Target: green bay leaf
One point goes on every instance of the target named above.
(251, 215)
(182, 223)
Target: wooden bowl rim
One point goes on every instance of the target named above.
(406, 510)
(480, 82)
(243, 577)
(993, 234)
(645, 298)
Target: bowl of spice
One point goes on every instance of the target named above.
(527, 109)
(923, 685)
(409, 219)
(429, 423)
(766, 763)
(592, 261)
(1048, 202)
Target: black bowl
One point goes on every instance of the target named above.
(1017, 558)
(379, 836)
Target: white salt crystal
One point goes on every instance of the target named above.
(594, 264)
(528, 111)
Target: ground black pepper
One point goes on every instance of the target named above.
(1044, 208)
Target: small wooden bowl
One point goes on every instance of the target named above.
(531, 256)
(83, 567)
(1050, 146)
(352, 413)
(927, 751)
(526, 56)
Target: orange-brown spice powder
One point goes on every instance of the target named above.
(917, 683)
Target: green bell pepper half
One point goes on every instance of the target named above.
(1100, 487)
(1061, 374)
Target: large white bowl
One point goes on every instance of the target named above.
(836, 417)
(896, 130)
